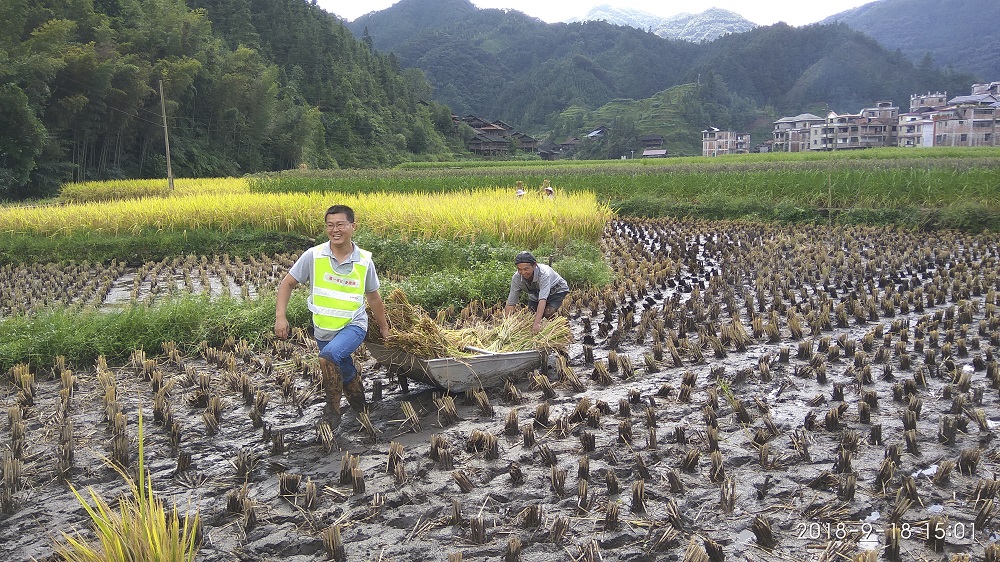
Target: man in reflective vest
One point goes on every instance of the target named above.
(341, 276)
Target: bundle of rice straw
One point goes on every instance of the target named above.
(414, 331)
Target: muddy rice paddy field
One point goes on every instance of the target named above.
(740, 392)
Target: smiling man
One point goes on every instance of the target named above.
(341, 276)
(546, 289)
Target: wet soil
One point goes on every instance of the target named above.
(743, 447)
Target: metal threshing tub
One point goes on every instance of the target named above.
(457, 374)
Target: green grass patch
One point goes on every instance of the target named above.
(81, 336)
(418, 256)
(452, 287)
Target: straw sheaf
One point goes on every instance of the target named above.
(414, 331)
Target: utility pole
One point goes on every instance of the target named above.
(166, 138)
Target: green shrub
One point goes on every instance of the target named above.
(487, 283)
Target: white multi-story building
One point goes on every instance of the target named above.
(851, 131)
(715, 142)
(916, 128)
(791, 134)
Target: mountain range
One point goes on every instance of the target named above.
(962, 34)
(506, 65)
(706, 26)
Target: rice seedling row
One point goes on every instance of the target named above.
(30, 289)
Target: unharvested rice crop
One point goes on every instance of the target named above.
(491, 213)
(134, 189)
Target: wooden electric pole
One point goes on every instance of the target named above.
(166, 138)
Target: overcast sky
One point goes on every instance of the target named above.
(763, 12)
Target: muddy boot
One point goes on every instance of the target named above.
(333, 388)
(354, 391)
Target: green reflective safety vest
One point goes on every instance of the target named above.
(336, 297)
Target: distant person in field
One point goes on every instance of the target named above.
(341, 277)
(546, 289)
(547, 190)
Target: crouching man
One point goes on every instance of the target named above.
(341, 277)
(546, 289)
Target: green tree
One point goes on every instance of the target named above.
(22, 137)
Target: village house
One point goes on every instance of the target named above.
(489, 145)
(475, 122)
(651, 141)
(872, 127)
(969, 120)
(791, 134)
(715, 142)
(916, 126)
(525, 143)
(886, 113)
(496, 138)
(569, 145)
(548, 150)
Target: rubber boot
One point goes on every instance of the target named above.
(333, 388)
(354, 391)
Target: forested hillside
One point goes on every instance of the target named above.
(962, 34)
(678, 114)
(519, 69)
(248, 85)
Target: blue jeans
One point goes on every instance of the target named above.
(338, 350)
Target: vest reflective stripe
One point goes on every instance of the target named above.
(340, 295)
(336, 297)
(323, 311)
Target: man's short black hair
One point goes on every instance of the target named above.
(524, 257)
(340, 209)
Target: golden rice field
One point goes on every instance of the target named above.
(112, 190)
(226, 204)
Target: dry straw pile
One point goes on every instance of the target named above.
(414, 331)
